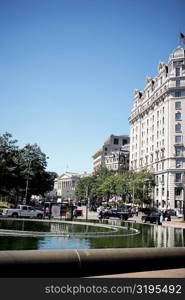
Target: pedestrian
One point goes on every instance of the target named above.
(161, 219)
(47, 212)
(164, 215)
(75, 214)
(100, 215)
(137, 211)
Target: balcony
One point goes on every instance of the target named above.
(181, 144)
(178, 155)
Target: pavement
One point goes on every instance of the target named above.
(175, 222)
(172, 273)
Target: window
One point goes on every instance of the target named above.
(178, 151)
(177, 72)
(178, 83)
(116, 141)
(178, 139)
(178, 204)
(178, 163)
(162, 179)
(163, 203)
(178, 191)
(157, 192)
(177, 94)
(177, 105)
(157, 155)
(178, 116)
(178, 127)
(178, 177)
(124, 142)
(162, 191)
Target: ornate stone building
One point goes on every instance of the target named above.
(157, 124)
(114, 154)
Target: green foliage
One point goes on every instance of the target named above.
(104, 184)
(22, 171)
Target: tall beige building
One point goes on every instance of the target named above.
(157, 121)
(114, 154)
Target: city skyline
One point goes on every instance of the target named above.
(69, 69)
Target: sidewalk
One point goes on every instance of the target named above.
(172, 273)
(175, 222)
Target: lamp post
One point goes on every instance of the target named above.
(27, 181)
(87, 202)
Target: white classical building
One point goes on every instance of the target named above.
(65, 184)
(113, 153)
(157, 121)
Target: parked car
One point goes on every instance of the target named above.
(148, 210)
(24, 211)
(153, 217)
(115, 213)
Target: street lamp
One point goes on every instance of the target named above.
(27, 180)
(87, 202)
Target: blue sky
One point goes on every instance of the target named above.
(68, 69)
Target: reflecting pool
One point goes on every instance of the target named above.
(148, 236)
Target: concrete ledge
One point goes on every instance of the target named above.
(93, 262)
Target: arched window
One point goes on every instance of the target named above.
(178, 127)
(178, 116)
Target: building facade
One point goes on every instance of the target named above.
(64, 185)
(114, 154)
(118, 161)
(157, 123)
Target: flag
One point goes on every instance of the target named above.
(182, 37)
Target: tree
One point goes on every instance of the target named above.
(108, 187)
(85, 188)
(143, 183)
(23, 171)
(8, 155)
